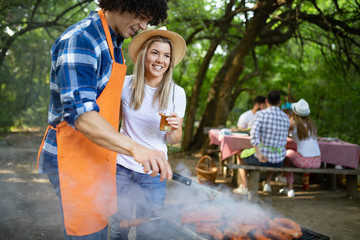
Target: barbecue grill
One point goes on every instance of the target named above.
(167, 226)
(163, 229)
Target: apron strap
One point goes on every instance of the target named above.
(108, 36)
(107, 33)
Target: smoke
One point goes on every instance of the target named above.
(181, 199)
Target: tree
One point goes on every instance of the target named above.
(236, 49)
(21, 17)
(27, 31)
(271, 23)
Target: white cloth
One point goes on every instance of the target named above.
(143, 124)
(308, 147)
(245, 119)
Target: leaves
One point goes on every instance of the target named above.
(27, 33)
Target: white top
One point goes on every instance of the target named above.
(142, 125)
(308, 147)
(245, 119)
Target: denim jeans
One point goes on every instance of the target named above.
(139, 192)
(100, 235)
(252, 160)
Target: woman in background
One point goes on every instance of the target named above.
(305, 135)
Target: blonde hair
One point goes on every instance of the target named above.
(162, 93)
(305, 127)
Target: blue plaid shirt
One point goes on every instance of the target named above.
(81, 65)
(269, 130)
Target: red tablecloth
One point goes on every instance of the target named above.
(229, 144)
(333, 152)
(340, 153)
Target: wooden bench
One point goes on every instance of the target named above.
(254, 176)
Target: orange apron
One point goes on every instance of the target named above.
(87, 172)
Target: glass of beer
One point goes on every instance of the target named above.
(164, 125)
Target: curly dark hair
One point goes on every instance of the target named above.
(154, 9)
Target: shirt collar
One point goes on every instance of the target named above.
(274, 108)
(117, 39)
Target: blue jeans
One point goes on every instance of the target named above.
(100, 235)
(252, 160)
(135, 191)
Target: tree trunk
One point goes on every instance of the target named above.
(219, 98)
(192, 105)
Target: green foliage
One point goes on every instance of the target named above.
(313, 62)
(332, 96)
(24, 75)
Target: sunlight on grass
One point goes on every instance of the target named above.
(24, 129)
(4, 171)
(18, 180)
(21, 180)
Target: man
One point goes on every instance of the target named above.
(269, 132)
(79, 148)
(247, 117)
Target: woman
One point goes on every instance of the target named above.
(305, 136)
(145, 95)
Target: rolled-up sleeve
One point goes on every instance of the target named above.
(76, 77)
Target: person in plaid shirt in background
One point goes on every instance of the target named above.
(269, 132)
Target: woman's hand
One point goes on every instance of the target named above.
(174, 136)
(174, 121)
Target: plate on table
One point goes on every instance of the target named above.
(329, 139)
(240, 134)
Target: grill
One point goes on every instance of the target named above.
(163, 229)
(167, 226)
(308, 235)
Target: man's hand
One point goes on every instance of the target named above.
(153, 160)
(262, 158)
(99, 131)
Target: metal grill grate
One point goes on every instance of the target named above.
(311, 235)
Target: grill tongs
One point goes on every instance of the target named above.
(212, 194)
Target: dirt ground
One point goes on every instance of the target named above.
(29, 207)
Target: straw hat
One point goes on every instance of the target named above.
(137, 42)
(301, 108)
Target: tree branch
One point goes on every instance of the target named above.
(36, 5)
(30, 25)
(71, 8)
(335, 25)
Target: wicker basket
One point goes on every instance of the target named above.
(206, 170)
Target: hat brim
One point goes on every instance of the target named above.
(138, 41)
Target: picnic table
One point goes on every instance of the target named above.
(334, 152)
